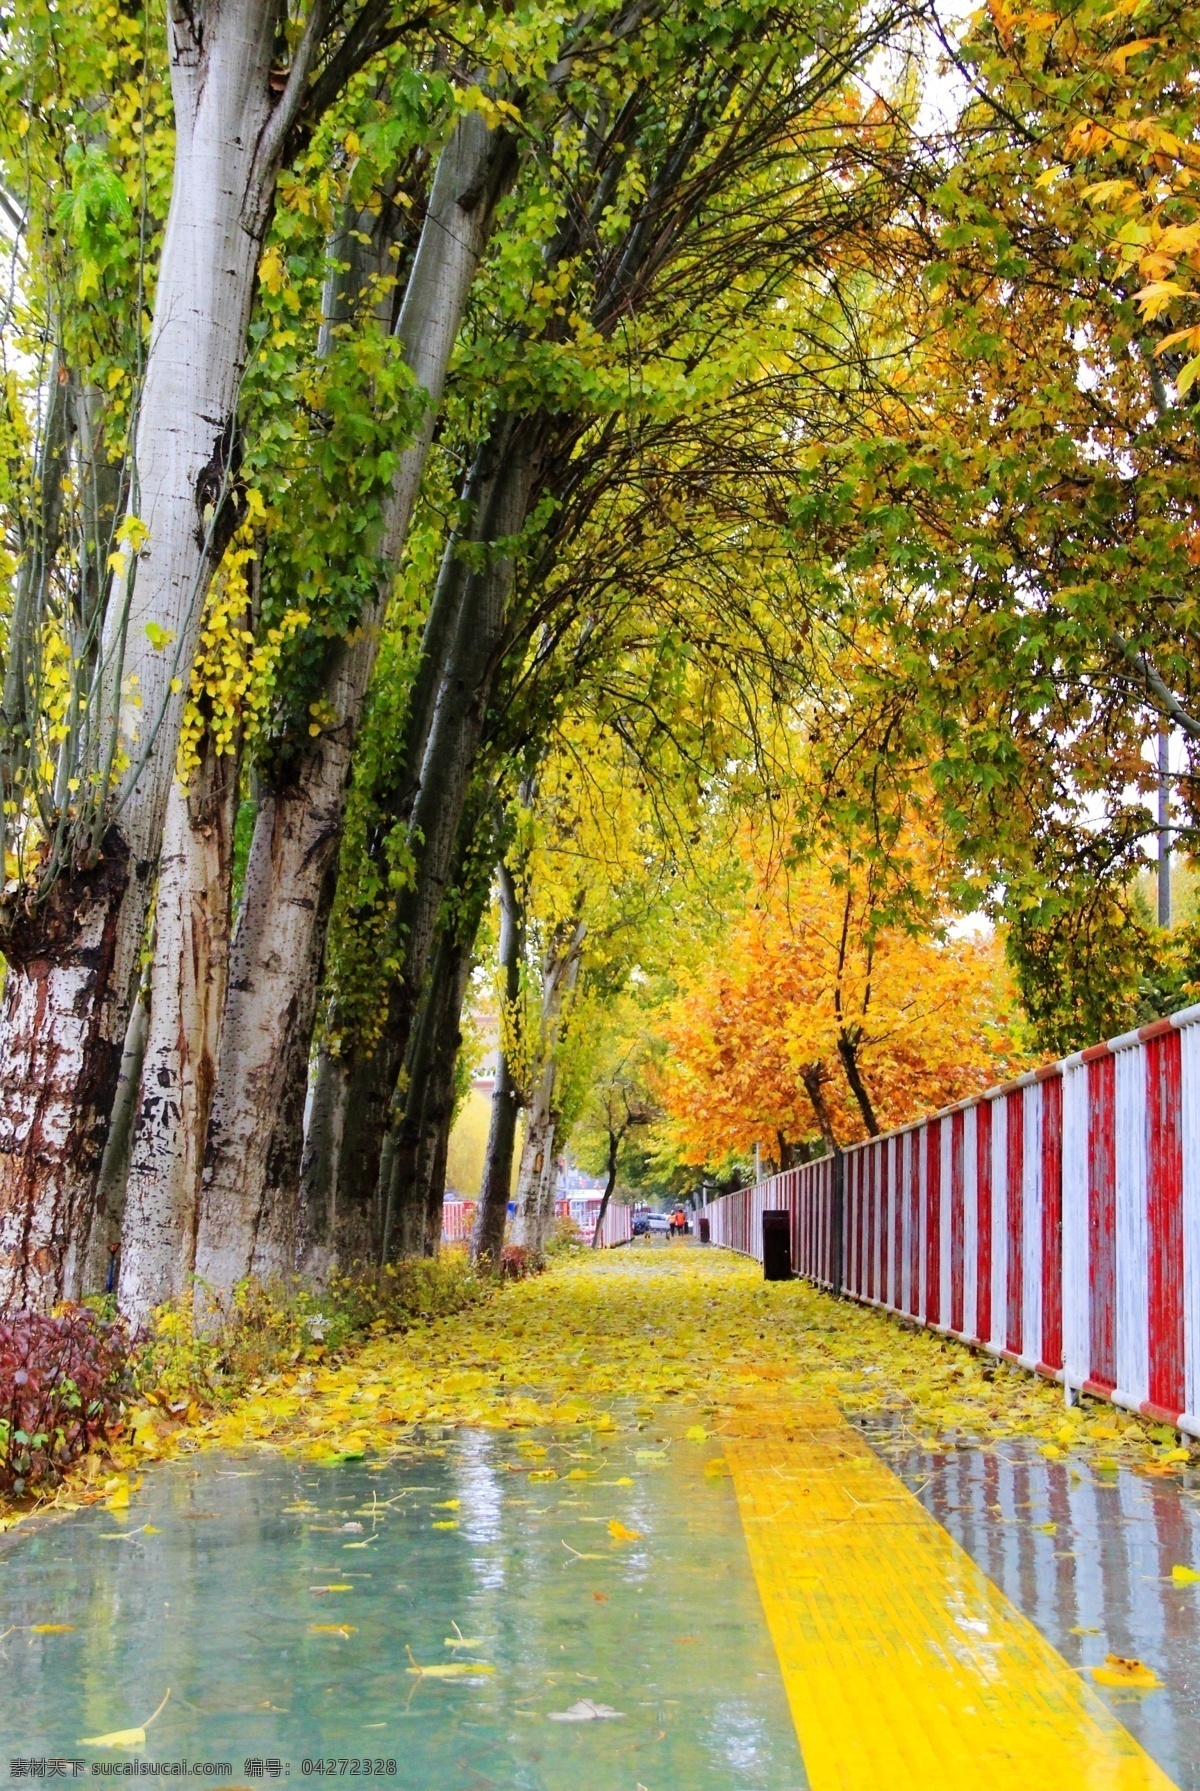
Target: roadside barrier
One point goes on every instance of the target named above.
(617, 1227)
(458, 1219)
(1054, 1221)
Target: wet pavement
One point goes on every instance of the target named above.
(594, 1612)
(1087, 1555)
(286, 1606)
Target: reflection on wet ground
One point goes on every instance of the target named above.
(1087, 1555)
(285, 1605)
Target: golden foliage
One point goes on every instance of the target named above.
(600, 1339)
(807, 976)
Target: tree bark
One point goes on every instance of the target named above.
(158, 1238)
(614, 1151)
(73, 965)
(417, 1180)
(280, 940)
(443, 738)
(114, 1167)
(535, 1181)
(813, 1078)
(491, 1215)
(848, 1047)
(341, 1213)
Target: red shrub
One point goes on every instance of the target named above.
(514, 1262)
(62, 1381)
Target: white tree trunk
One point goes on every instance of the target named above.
(72, 973)
(179, 1068)
(62, 1034)
(279, 941)
(535, 1179)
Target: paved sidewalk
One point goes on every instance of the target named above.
(904, 1665)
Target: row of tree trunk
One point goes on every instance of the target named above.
(168, 1107)
(202, 1065)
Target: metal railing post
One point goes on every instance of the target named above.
(837, 1226)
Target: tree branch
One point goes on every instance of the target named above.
(270, 144)
(1171, 705)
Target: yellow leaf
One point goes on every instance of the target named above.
(1047, 1529)
(1157, 296)
(1186, 378)
(331, 1629)
(1174, 337)
(118, 1500)
(58, 1629)
(1185, 1576)
(696, 1434)
(544, 1474)
(447, 1523)
(1179, 239)
(447, 1505)
(1103, 190)
(619, 1533)
(1119, 1670)
(124, 1737)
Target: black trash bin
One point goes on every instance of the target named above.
(777, 1244)
(703, 1224)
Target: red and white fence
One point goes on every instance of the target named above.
(1054, 1221)
(617, 1227)
(458, 1219)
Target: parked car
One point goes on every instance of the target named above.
(658, 1224)
(641, 1225)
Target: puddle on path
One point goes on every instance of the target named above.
(218, 1597)
(1100, 1582)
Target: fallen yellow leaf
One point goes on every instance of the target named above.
(331, 1629)
(55, 1629)
(124, 1737)
(619, 1533)
(1119, 1670)
(1185, 1576)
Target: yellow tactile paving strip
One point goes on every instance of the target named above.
(905, 1667)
